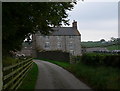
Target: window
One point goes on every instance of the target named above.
(58, 37)
(71, 37)
(72, 52)
(47, 44)
(46, 37)
(70, 45)
(59, 45)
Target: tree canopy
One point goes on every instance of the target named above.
(20, 19)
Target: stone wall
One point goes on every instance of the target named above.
(54, 55)
(39, 43)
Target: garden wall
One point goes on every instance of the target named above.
(54, 55)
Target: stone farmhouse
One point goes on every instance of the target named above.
(66, 39)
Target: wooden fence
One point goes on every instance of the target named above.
(14, 74)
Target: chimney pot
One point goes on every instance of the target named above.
(74, 24)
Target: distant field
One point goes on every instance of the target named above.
(114, 47)
(92, 44)
(99, 44)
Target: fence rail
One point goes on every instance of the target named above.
(14, 74)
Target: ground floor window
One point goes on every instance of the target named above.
(47, 44)
(72, 52)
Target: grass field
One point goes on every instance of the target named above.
(96, 77)
(91, 44)
(29, 81)
(113, 47)
(99, 44)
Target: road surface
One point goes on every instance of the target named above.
(51, 76)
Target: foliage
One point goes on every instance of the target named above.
(99, 59)
(29, 81)
(7, 61)
(99, 77)
(102, 40)
(21, 19)
(102, 43)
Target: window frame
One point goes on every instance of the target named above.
(47, 45)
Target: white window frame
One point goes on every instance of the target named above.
(71, 45)
(72, 52)
(46, 37)
(47, 45)
(71, 37)
(58, 37)
(59, 45)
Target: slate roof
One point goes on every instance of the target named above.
(65, 31)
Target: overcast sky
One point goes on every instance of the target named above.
(96, 20)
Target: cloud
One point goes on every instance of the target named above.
(97, 30)
(103, 25)
(94, 11)
(93, 35)
(101, 0)
(96, 20)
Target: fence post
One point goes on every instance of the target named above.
(1, 81)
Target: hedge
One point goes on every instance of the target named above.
(101, 59)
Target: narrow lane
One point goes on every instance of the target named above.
(51, 76)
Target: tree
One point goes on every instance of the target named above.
(102, 40)
(113, 39)
(23, 19)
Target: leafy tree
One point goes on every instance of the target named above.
(102, 40)
(23, 19)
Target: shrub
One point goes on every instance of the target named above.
(112, 60)
(95, 59)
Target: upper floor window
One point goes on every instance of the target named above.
(70, 45)
(46, 37)
(58, 37)
(59, 45)
(47, 44)
(71, 37)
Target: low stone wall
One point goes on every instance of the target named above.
(54, 55)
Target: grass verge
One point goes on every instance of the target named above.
(60, 63)
(96, 77)
(29, 81)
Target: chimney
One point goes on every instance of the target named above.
(74, 24)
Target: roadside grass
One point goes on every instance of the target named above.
(96, 77)
(60, 63)
(7, 61)
(29, 81)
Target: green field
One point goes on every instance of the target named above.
(91, 44)
(99, 44)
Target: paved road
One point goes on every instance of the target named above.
(51, 76)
